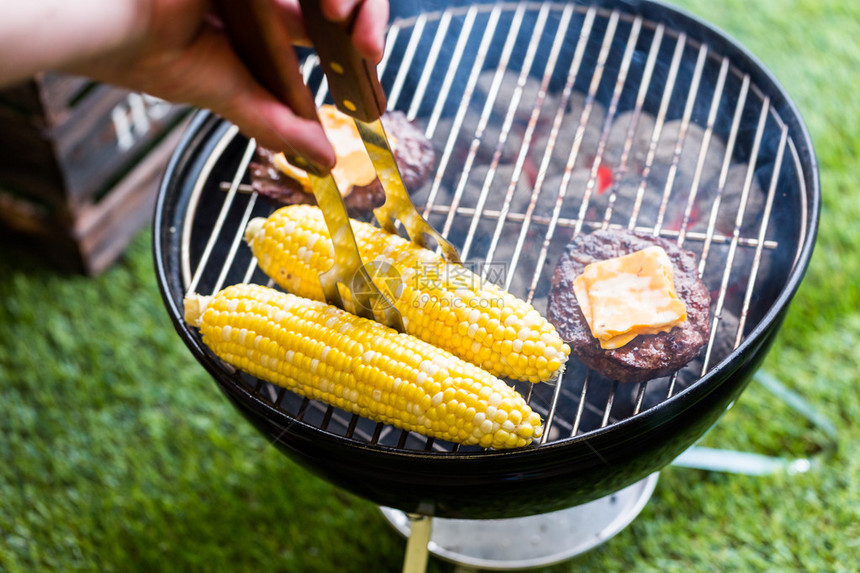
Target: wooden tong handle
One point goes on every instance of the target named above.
(260, 38)
(352, 79)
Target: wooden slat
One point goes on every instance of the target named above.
(103, 230)
(100, 231)
(70, 165)
(28, 164)
(46, 100)
(79, 166)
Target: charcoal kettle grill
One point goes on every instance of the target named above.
(549, 119)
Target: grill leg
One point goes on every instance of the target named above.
(522, 542)
(750, 463)
(415, 560)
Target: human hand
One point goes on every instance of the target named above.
(176, 50)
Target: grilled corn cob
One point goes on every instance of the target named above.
(445, 305)
(361, 366)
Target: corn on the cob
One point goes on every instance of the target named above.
(361, 366)
(445, 305)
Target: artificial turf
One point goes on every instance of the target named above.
(117, 453)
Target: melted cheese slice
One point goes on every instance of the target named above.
(352, 167)
(624, 297)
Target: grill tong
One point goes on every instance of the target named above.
(262, 41)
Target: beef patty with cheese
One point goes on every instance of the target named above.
(619, 276)
(283, 184)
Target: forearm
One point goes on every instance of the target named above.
(175, 50)
(38, 35)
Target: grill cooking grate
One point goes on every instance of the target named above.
(552, 119)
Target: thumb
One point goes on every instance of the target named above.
(275, 126)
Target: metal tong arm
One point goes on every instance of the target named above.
(356, 91)
(352, 79)
(261, 39)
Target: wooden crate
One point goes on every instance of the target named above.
(47, 99)
(80, 165)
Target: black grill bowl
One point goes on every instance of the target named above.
(406, 472)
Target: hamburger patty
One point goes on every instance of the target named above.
(646, 356)
(413, 153)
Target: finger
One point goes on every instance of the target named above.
(224, 85)
(339, 10)
(368, 33)
(291, 13)
(368, 29)
(276, 127)
(334, 10)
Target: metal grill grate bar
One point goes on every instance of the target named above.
(714, 237)
(613, 108)
(461, 114)
(581, 406)
(730, 146)
(246, 216)
(538, 187)
(435, 50)
(491, 173)
(703, 150)
(771, 193)
(408, 56)
(192, 281)
(528, 64)
(551, 142)
(506, 126)
(682, 134)
(733, 245)
(658, 126)
(647, 75)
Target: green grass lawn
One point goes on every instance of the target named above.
(117, 452)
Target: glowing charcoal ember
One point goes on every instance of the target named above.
(570, 127)
(621, 144)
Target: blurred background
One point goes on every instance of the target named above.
(118, 453)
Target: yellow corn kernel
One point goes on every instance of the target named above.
(445, 305)
(361, 366)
